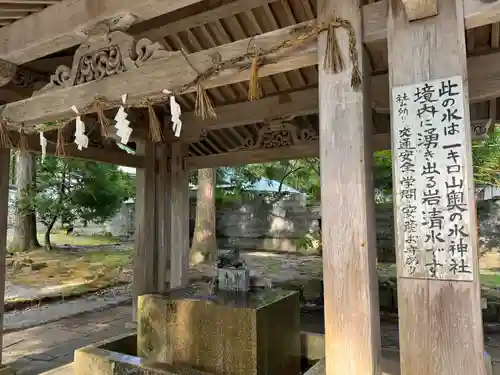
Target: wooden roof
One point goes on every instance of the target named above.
(206, 24)
(13, 10)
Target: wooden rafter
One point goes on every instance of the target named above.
(13, 10)
(63, 25)
(163, 26)
(297, 103)
(37, 36)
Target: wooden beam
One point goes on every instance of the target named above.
(439, 309)
(350, 283)
(297, 103)
(484, 81)
(480, 12)
(230, 159)
(418, 9)
(476, 13)
(38, 35)
(483, 73)
(166, 73)
(92, 154)
(380, 142)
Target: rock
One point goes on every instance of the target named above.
(312, 289)
(38, 266)
(27, 261)
(18, 266)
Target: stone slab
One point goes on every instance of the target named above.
(97, 359)
(224, 333)
(6, 370)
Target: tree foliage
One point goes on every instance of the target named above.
(300, 174)
(69, 189)
(485, 157)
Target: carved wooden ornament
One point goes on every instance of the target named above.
(278, 135)
(105, 53)
(418, 9)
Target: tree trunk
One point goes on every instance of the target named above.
(204, 245)
(47, 243)
(12, 174)
(25, 220)
(33, 236)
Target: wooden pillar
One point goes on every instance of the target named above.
(179, 216)
(352, 324)
(4, 214)
(145, 262)
(139, 218)
(438, 277)
(163, 203)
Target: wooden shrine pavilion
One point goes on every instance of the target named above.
(261, 80)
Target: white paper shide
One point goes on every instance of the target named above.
(123, 130)
(81, 140)
(175, 112)
(434, 231)
(43, 146)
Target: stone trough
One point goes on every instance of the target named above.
(117, 356)
(195, 331)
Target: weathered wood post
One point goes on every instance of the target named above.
(352, 324)
(145, 273)
(153, 220)
(139, 219)
(179, 217)
(163, 204)
(438, 277)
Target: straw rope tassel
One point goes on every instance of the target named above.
(333, 59)
(203, 107)
(103, 120)
(254, 89)
(60, 142)
(5, 141)
(154, 125)
(23, 142)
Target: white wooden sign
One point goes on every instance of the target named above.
(434, 233)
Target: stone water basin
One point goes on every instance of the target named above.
(117, 356)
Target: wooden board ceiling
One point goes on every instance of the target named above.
(13, 10)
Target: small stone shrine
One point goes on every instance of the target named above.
(232, 329)
(232, 273)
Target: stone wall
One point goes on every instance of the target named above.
(259, 223)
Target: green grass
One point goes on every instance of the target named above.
(60, 238)
(75, 272)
